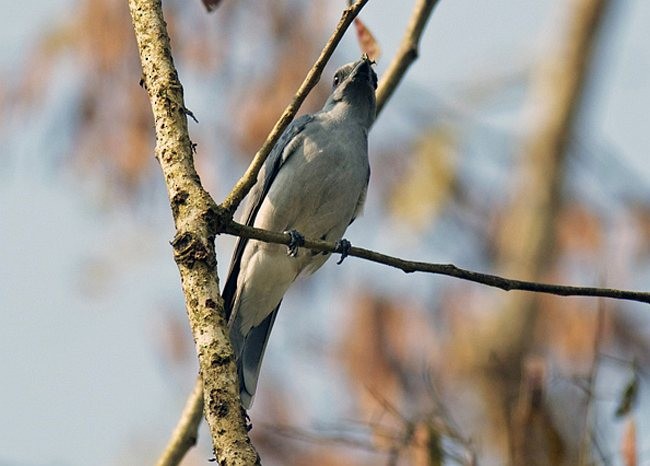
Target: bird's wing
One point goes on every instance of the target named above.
(269, 171)
(358, 210)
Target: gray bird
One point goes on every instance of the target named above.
(314, 182)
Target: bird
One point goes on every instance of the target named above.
(313, 184)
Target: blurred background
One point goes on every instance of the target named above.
(516, 145)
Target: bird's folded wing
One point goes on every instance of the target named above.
(269, 171)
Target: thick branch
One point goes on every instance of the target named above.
(407, 53)
(526, 236)
(248, 179)
(193, 210)
(440, 269)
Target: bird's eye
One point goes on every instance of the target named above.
(337, 79)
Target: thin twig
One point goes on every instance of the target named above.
(450, 427)
(584, 457)
(248, 179)
(507, 284)
(185, 434)
(407, 53)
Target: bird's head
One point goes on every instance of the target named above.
(353, 91)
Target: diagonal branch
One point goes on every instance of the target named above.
(248, 179)
(507, 284)
(194, 216)
(185, 434)
(407, 53)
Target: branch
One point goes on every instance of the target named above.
(234, 228)
(584, 453)
(185, 434)
(407, 53)
(527, 231)
(248, 179)
(194, 216)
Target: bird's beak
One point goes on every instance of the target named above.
(363, 72)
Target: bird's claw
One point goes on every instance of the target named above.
(296, 241)
(343, 246)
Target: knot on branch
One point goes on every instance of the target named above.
(412, 51)
(219, 360)
(218, 402)
(217, 219)
(189, 249)
(178, 200)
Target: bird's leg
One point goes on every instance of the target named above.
(343, 246)
(296, 241)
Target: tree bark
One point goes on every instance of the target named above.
(195, 215)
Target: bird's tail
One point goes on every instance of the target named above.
(249, 350)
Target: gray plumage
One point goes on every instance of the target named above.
(314, 181)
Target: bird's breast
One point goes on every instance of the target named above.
(318, 188)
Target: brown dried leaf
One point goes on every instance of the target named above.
(367, 41)
(628, 444)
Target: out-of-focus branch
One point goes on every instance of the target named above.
(185, 434)
(450, 270)
(193, 210)
(584, 455)
(527, 234)
(248, 179)
(407, 53)
(555, 97)
(531, 419)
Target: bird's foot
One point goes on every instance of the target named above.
(249, 424)
(343, 246)
(296, 241)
